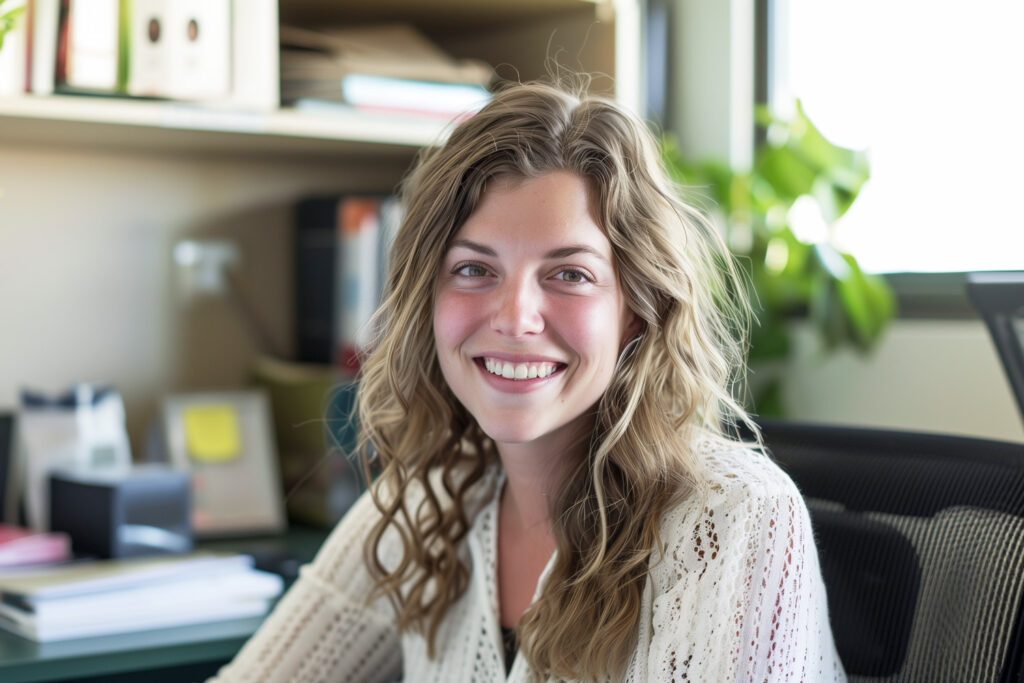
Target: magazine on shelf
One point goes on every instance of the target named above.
(388, 68)
(393, 50)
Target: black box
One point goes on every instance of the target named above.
(143, 510)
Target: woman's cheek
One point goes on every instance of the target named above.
(592, 328)
(454, 314)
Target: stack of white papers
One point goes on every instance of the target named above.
(107, 597)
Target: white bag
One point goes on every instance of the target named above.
(83, 428)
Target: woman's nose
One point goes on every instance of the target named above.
(518, 309)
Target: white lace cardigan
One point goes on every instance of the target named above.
(736, 595)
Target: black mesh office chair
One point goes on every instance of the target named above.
(921, 540)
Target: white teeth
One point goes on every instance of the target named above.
(518, 371)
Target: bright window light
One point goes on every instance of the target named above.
(934, 91)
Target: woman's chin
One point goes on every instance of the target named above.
(512, 434)
(534, 434)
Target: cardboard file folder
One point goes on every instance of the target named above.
(180, 49)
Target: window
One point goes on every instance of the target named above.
(932, 91)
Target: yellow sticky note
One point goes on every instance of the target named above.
(211, 433)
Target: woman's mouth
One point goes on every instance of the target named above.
(519, 371)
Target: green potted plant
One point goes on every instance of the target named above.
(790, 278)
(8, 20)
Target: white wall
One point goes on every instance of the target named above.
(936, 376)
(87, 289)
(713, 79)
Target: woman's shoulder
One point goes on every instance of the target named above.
(744, 507)
(737, 469)
(734, 478)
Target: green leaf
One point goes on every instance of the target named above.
(808, 161)
(8, 21)
(859, 308)
(769, 340)
(883, 300)
(768, 401)
(789, 174)
(864, 302)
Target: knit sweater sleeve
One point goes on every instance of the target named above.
(322, 629)
(738, 595)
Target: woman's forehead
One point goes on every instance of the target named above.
(551, 211)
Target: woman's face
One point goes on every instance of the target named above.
(529, 317)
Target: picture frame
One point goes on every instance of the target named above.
(225, 440)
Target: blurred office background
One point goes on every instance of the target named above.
(95, 192)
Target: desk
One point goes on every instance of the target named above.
(186, 653)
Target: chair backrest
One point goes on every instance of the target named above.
(921, 541)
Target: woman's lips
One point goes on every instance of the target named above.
(521, 370)
(509, 375)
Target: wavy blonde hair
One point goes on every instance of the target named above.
(673, 387)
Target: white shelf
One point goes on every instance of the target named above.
(122, 122)
(513, 33)
(459, 15)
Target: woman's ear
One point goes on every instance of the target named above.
(634, 324)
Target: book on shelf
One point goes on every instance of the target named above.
(341, 246)
(88, 47)
(395, 50)
(407, 96)
(212, 52)
(106, 597)
(391, 68)
(179, 50)
(43, 20)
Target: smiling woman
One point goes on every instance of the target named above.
(548, 397)
(528, 288)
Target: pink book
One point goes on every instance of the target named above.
(20, 546)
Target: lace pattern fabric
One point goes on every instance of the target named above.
(734, 594)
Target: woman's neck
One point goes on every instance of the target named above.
(534, 475)
(529, 485)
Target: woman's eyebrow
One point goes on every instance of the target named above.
(473, 246)
(574, 249)
(560, 252)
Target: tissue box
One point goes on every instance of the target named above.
(129, 512)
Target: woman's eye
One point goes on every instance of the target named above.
(471, 270)
(572, 276)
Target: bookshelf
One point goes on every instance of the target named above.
(149, 125)
(516, 36)
(95, 191)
